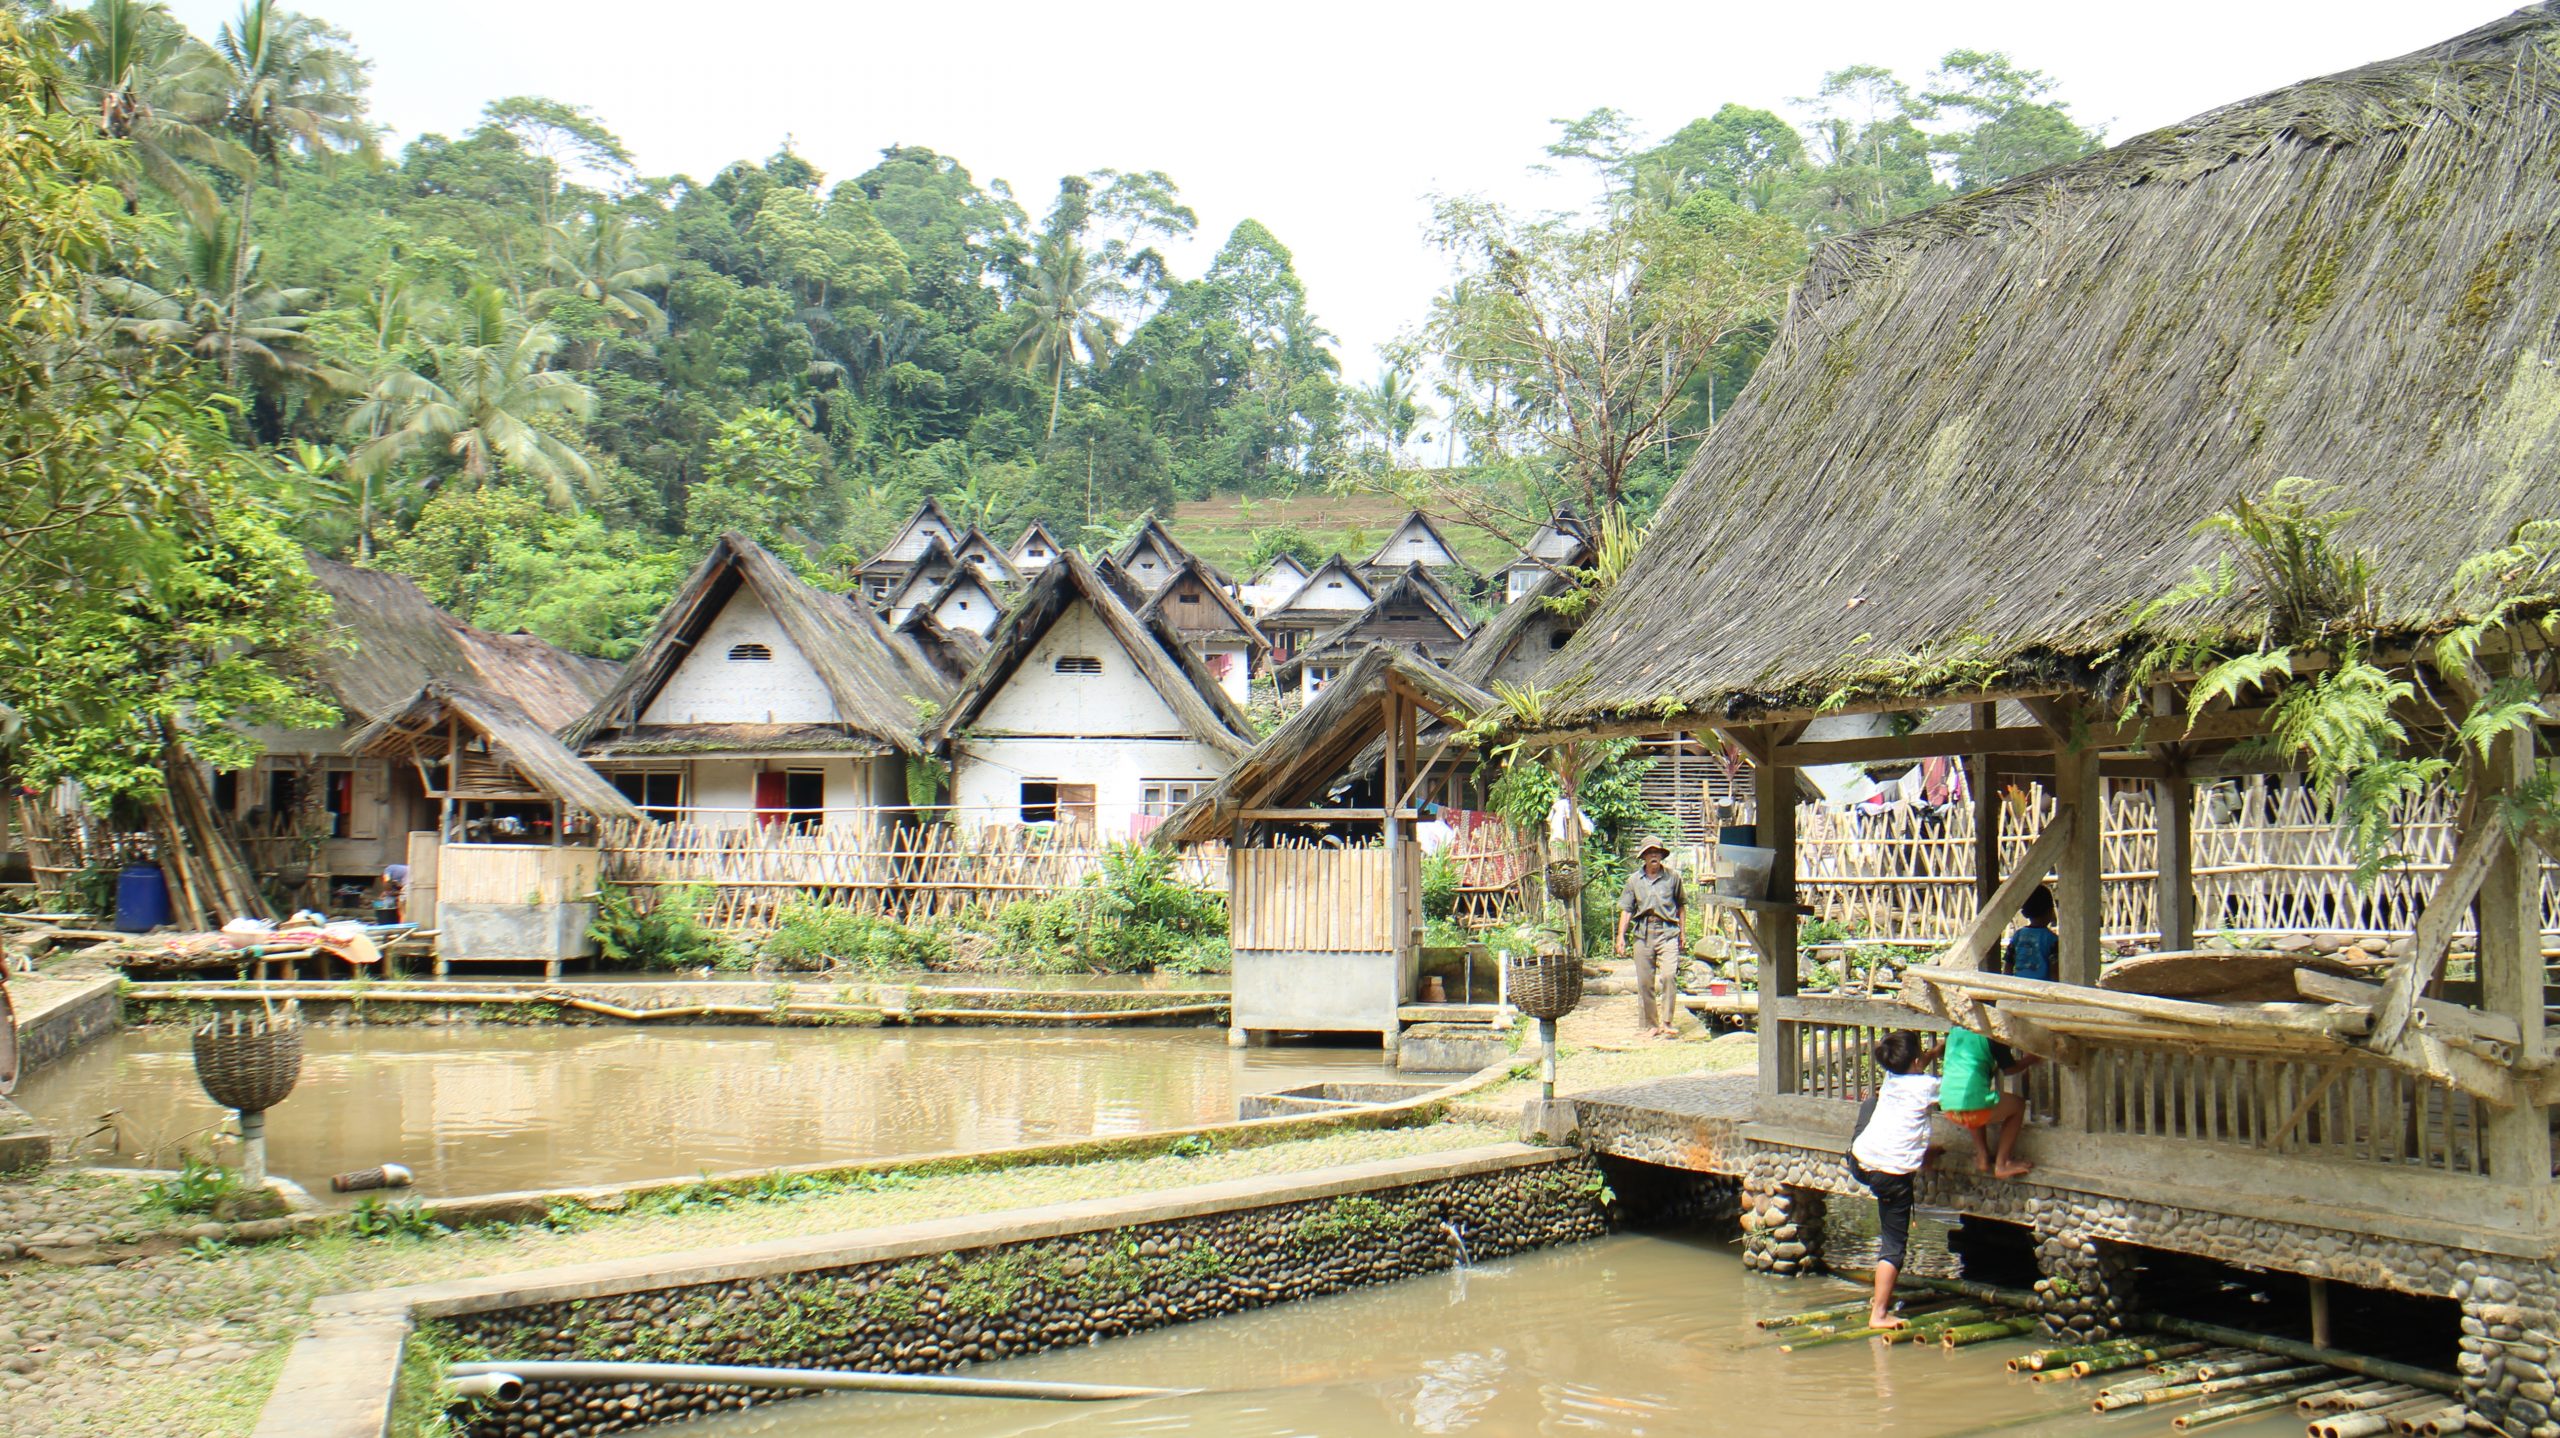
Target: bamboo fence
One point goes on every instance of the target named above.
(2265, 861)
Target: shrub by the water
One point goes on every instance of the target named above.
(1132, 915)
(670, 935)
(815, 935)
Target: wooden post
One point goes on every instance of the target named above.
(2517, 1138)
(2173, 811)
(2080, 895)
(1774, 812)
(1399, 936)
(1982, 776)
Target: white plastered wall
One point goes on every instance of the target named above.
(711, 688)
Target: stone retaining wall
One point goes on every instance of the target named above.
(984, 1304)
(785, 1002)
(51, 1028)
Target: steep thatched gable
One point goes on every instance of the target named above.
(927, 524)
(1496, 650)
(1035, 550)
(1208, 610)
(512, 737)
(876, 683)
(1300, 761)
(1988, 432)
(1315, 603)
(394, 641)
(1416, 540)
(982, 554)
(1153, 646)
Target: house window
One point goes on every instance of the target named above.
(964, 606)
(338, 796)
(1318, 676)
(750, 654)
(658, 792)
(1039, 801)
(1189, 598)
(797, 797)
(1036, 552)
(1078, 664)
(1333, 584)
(1163, 796)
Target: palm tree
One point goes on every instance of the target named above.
(1065, 303)
(289, 83)
(157, 88)
(485, 405)
(263, 328)
(1389, 410)
(604, 264)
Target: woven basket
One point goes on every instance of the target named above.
(1546, 986)
(1564, 879)
(249, 1066)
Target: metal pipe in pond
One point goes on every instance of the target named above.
(726, 1376)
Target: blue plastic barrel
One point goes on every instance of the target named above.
(142, 899)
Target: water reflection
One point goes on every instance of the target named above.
(482, 1109)
(1633, 1336)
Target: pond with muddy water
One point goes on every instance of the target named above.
(1636, 1334)
(491, 1108)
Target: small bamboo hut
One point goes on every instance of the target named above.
(510, 874)
(1324, 872)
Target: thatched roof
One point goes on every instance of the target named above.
(1413, 587)
(981, 553)
(1414, 523)
(928, 522)
(874, 680)
(1022, 545)
(1335, 566)
(396, 641)
(1301, 761)
(1501, 634)
(951, 652)
(1235, 622)
(514, 737)
(1987, 432)
(1154, 646)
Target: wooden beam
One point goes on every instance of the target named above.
(2478, 850)
(2516, 1140)
(2173, 806)
(1310, 816)
(2165, 729)
(2315, 1019)
(1989, 921)
(2448, 1020)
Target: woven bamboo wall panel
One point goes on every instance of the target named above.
(1310, 899)
(2265, 860)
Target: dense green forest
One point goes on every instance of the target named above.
(514, 365)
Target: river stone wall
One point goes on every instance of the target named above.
(2510, 1347)
(929, 1315)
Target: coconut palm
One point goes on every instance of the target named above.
(603, 263)
(158, 89)
(263, 331)
(485, 406)
(1064, 302)
(289, 83)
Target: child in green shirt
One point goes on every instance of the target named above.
(1969, 1094)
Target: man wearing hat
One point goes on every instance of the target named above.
(1655, 907)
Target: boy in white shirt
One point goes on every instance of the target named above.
(1888, 1151)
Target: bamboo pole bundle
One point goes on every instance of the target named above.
(2205, 1387)
(2256, 1403)
(2371, 1394)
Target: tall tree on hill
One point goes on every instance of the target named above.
(158, 89)
(485, 407)
(290, 84)
(2015, 130)
(1064, 304)
(602, 263)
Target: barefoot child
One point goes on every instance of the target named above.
(1888, 1151)
(1969, 1094)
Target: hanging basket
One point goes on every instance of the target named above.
(248, 1064)
(1545, 986)
(1564, 879)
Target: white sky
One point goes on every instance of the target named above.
(1330, 122)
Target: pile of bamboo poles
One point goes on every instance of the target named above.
(2228, 1374)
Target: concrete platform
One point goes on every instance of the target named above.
(1693, 1121)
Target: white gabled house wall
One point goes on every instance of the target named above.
(723, 681)
(1096, 721)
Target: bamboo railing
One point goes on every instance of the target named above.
(2265, 861)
